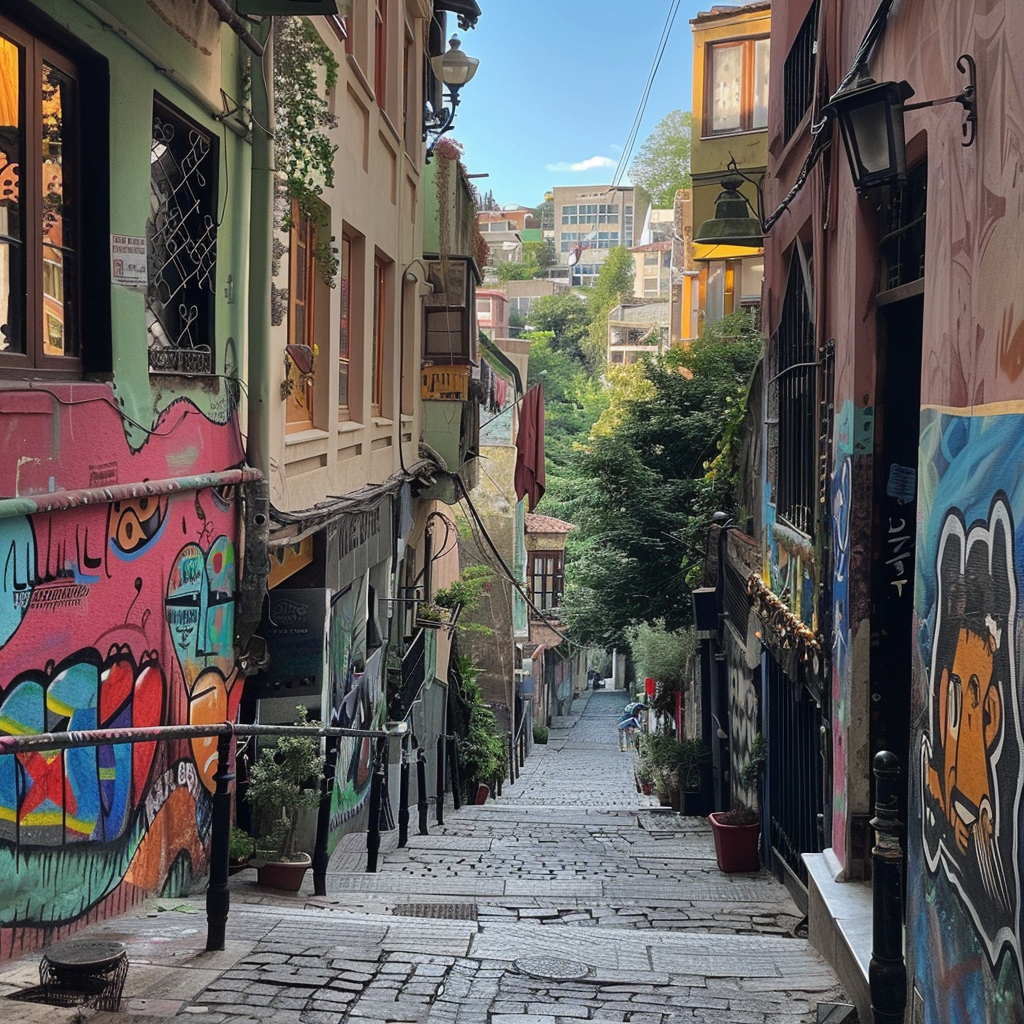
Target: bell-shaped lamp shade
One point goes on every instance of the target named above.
(733, 223)
(454, 67)
(870, 118)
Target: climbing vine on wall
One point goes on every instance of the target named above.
(305, 72)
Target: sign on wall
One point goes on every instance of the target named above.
(447, 383)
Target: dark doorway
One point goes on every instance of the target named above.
(897, 429)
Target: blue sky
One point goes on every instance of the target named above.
(558, 87)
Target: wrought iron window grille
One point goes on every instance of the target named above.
(181, 243)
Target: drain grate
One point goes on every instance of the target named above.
(552, 968)
(443, 911)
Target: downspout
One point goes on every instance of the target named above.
(261, 211)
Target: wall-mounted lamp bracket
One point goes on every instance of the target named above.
(968, 99)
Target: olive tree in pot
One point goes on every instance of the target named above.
(284, 781)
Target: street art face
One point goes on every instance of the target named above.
(970, 764)
(111, 616)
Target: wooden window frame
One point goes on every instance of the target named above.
(381, 319)
(301, 310)
(34, 360)
(552, 583)
(748, 47)
(338, 23)
(380, 52)
(345, 324)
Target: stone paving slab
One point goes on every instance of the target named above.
(570, 865)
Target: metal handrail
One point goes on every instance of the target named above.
(217, 896)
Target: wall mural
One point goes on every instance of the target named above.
(966, 891)
(114, 615)
(356, 702)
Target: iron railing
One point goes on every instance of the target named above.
(795, 774)
(217, 896)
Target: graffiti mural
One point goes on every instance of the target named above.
(966, 899)
(356, 702)
(112, 615)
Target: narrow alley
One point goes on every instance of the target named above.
(569, 898)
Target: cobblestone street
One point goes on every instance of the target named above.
(570, 898)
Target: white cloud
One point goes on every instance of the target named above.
(590, 164)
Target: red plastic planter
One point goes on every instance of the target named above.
(736, 846)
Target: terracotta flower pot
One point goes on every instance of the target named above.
(647, 788)
(284, 874)
(736, 846)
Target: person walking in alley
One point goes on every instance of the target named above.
(627, 726)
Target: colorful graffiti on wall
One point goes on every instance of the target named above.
(113, 615)
(356, 702)
(966, 899)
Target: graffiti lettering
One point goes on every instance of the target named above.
(900, 546)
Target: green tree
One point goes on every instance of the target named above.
(565, 316)
(515, 271)
(662, 166)
(539, 254)
(644, 486)
(614, 284)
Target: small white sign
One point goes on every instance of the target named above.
(128, 261)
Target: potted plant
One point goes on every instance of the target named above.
(241, 846)
(283, 782)
(737, 834)
(691, 757)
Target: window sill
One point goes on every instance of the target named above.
(357, 73)
(305, 435)
(733, 132)
(380, 421)
(349, 426)
(391, 127)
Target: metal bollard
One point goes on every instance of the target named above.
(453, 755)
(887, 972)
(373, 825)
(421, 788)
(440, 780)
(511, 759)
(218, 899)
(403, 797)
(323, 820)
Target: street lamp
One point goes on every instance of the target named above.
(736, 222)
(870, 116)
(454, 69)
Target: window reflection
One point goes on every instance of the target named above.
(12, 253)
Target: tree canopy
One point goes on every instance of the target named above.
(614, 283)
(644, 486)
(662, 165)
(564, 314)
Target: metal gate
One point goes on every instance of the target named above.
(795, 776)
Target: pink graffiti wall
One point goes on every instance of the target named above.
(112, 614)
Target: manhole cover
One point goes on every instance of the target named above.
(552, 968)
(444, 911)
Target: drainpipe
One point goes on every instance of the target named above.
(261, 211)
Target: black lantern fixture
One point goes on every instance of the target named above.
(870, 116)
(454, 69)
(736, 222)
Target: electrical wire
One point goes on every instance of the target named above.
(506, 571)
(627, 150)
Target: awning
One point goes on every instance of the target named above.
(709, 253)
(467, 10)
(502, 364)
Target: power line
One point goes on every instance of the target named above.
(627, 150)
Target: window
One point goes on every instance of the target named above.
(798, 73)
(339, 24)
(345, 327)
(547, 575)
(181, 239)
(380, 51)
(737, 86)
(792, 408)
(39, 193)
(378, 347)
(301, 322)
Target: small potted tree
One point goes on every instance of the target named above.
(737, 837)
(283, 782)
(693, 756)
